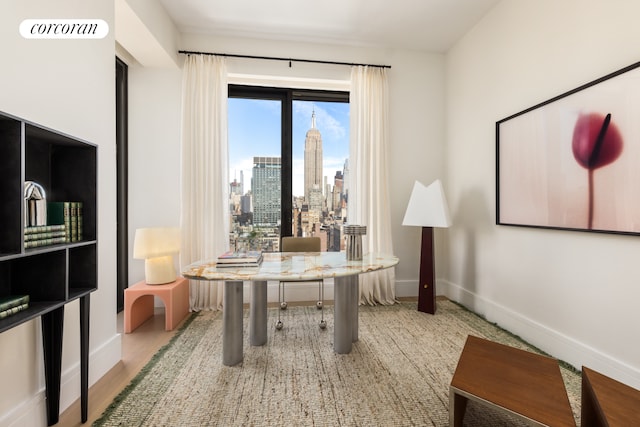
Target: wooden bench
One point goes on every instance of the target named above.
(515, 381)
(139, 303)
(607, 402)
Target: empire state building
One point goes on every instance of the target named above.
(312, 161)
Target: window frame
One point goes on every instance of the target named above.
(286, 96)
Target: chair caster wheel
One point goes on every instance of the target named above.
(319, 305)
(323, 324)
(279, 325)
(283, 305)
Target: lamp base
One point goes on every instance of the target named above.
(159, 271)
(427, 283)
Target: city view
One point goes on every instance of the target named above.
(319, 171)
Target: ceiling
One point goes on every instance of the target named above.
(425, 25)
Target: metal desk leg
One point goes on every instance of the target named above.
(355, 303)
(343, 316)
(232, 323)
(258, 313)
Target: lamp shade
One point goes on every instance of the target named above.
(157, 246)
(427, 206)
(156, 242)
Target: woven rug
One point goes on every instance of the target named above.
(398, 373)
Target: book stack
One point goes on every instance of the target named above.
(43, 235)
(233, 259)
(69, 214)
(13, 304)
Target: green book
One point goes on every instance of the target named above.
(74, 221)
(79, 220)
(44, 242)
(59, 213)
(13, 301)
(13, 310)
(44, 235)
(43, 229)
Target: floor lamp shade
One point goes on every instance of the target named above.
(157, 247)
(427, 208)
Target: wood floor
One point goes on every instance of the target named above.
(137, 349)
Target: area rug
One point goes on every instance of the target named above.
(398, 373)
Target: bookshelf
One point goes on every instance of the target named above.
(51, 275)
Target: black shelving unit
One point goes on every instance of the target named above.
(52, 275)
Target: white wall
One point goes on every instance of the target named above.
(67, 85)
(154, 153)
(572, 294)
(416, 82)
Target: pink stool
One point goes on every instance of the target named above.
(138, 303)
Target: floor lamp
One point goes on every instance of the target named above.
(427, 208)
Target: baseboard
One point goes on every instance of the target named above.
(32, 412)
(407, 288)
(548, 340)
(101, 360)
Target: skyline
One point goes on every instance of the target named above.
(254, 131)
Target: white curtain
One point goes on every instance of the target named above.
(204, 210)
(369, 176)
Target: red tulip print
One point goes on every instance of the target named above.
(596, 143)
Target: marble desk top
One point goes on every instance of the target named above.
(292, 266)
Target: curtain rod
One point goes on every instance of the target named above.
(272, 58)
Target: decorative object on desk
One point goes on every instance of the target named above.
(157, 246)
(354, 235)
(427, 208)
(35, 204)
(240, 257)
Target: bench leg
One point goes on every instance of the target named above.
(137, 312)
(457, 407)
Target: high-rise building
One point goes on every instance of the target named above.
(235, 188)
(312, 159)
(266, 189)
(336, 197)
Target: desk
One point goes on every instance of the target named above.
(289, 267)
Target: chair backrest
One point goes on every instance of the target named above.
(300, 244)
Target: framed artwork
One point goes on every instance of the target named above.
(573, 162)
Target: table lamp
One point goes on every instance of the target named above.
(427, 208)
(156, 246)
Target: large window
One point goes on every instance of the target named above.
(288, 166)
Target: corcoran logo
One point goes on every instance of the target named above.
(64, 28)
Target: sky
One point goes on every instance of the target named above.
(254, 130)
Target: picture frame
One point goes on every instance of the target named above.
(573, 162)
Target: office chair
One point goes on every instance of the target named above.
(301, 244)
